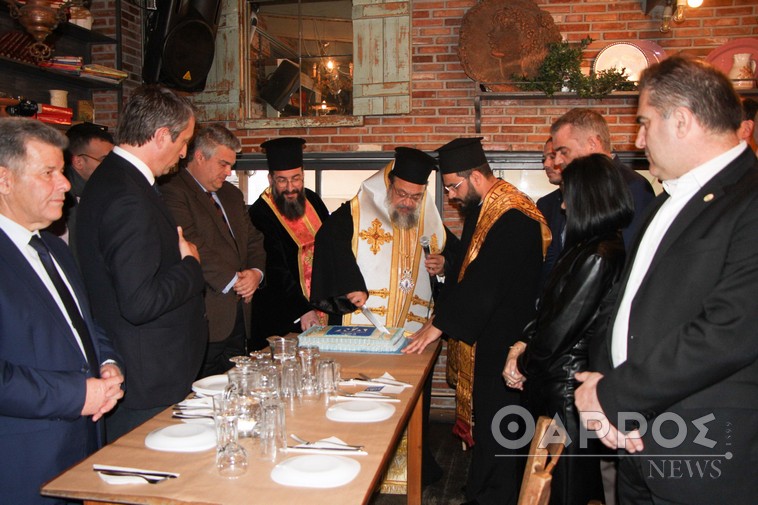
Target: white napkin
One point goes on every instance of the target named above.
(385, 384)
(386, 378)
(125, 479)
(364, 398)
(324, 447)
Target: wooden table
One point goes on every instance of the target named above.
(200, 484)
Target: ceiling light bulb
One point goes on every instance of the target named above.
(330, 65)
(694, 3)
(678, 16)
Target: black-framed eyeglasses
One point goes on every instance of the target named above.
(453, 187)
(99, 160)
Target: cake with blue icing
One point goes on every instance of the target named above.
(353, 339)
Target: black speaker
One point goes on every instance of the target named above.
(281, 84)
(180, 43)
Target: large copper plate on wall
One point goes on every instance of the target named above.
(500, 38)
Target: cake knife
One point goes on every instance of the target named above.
(373, 320)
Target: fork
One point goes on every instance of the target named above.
(306, 442)
(182, 415)
(150, 479)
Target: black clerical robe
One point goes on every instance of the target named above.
(282, 301)
(490, 306)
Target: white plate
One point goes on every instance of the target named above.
(211, 386)
(360, 412)
(633, 56)
(322, 471)
(182, 438)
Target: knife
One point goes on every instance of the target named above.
(373, 320)
(122, 470)
(317, 448)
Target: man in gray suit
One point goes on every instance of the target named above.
(212, 213)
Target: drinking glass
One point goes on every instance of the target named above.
(241, 361)
(290, 382)
(283, 348)
(308, 360)
(259, 355)
(231, 458)
(327, 382)
(273, 434)
(247, 399)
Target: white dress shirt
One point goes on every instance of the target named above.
(680, 192)
(20, 237)
(138, 163)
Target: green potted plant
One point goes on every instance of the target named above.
(561, 70)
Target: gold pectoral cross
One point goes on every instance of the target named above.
(375, 236)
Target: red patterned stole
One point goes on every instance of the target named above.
(303, 232)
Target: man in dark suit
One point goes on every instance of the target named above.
(681, 358)
(88, 145)
(581, 132)
(212, 215)
(551, 206)
(59, 371)
(143, 277)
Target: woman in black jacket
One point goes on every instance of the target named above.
(598, 204)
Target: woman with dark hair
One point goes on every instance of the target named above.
(598, 205)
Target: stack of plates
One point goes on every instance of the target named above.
(319, 471)
(633, 56)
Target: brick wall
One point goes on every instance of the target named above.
(443, 96)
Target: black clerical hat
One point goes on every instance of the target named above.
(413, 165)
(461, 154)
(284, 153)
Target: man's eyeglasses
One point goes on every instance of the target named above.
(453, 187)
(98, 160)
(407, 196)
(282, 181)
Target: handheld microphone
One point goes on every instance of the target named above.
(424, 241)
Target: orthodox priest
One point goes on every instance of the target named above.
(369, 253)
(483, 310)
(289, 215)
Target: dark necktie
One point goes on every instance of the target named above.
(220, 212)
(68, 301)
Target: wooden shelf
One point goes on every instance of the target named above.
(22, 78)
(55, 76)
(484, 96)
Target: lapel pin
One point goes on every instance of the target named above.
(708, 197)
